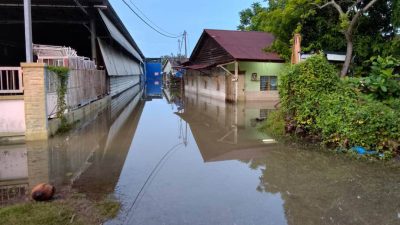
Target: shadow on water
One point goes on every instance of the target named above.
(195, 160)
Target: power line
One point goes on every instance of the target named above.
(144, 21)
(153, 173)
(134, 5)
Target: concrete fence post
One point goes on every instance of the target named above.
(35, 101)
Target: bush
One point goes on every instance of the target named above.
(382, 81)
(320, 104)
(274, 124)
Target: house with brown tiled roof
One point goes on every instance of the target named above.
(234, 66)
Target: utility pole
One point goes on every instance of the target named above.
(179, 48)
(185, 37)
(28, 31)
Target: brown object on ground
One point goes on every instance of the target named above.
(43, 192)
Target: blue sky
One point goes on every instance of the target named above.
(175, 16)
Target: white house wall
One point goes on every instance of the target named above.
(12, 117)
(206, 85)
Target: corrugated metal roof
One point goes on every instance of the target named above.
(117, 63)
(117, 35)
(245, 45)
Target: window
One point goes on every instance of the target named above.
(264, 113)
(218, 84)
(268, 83)
(192, 81)
(205, 84)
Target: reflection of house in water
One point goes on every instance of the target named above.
(225, 131)
(13, 173)
(93, 154)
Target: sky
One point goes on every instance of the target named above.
(175, 16)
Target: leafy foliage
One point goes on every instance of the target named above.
(248, 19)
(382, 80)
(274, 124)
(319, 103)
(62, 75)
(62, 87)
(322, 29)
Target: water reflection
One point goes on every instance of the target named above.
(13, 173)
(98, 146)
(225, 131)
(324, 189)
(226, 175)
(195, 160)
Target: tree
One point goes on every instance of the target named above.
(248, 17)
(373, 33)
(396, 13)
(348, 21)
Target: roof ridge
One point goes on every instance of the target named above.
(247, 31)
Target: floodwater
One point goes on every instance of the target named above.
(200, 161)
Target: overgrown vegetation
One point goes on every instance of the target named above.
(340, 112)
(275, 124)
(361, 109)
(62, 88)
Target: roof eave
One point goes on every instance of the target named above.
(112, 15)
(260, 60)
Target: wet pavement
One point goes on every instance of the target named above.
(201, 161)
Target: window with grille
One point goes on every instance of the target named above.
(268, 83)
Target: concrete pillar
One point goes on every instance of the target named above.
(35, 101)
(93, 40)
(296, 49)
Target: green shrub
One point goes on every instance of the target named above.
(393, 103)
(317, 101)
(274, 124)
(381, 81)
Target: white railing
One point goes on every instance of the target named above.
(11, 80)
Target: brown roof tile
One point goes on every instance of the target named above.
(245, 45)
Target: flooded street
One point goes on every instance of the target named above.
(201, 161)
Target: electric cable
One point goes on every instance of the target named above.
(154, 171)
(134, 5)
(144, 21)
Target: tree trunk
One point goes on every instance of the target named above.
(349, 53)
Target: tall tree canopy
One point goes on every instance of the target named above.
(323, 28)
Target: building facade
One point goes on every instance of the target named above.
(233, 66)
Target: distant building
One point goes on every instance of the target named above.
(153, 78)
(299, 56)
(172, 68)
(234, 66)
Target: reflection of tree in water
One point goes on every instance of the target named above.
(328, 189)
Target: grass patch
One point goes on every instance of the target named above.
(74, 209)
(108, 208)
(34, 213)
